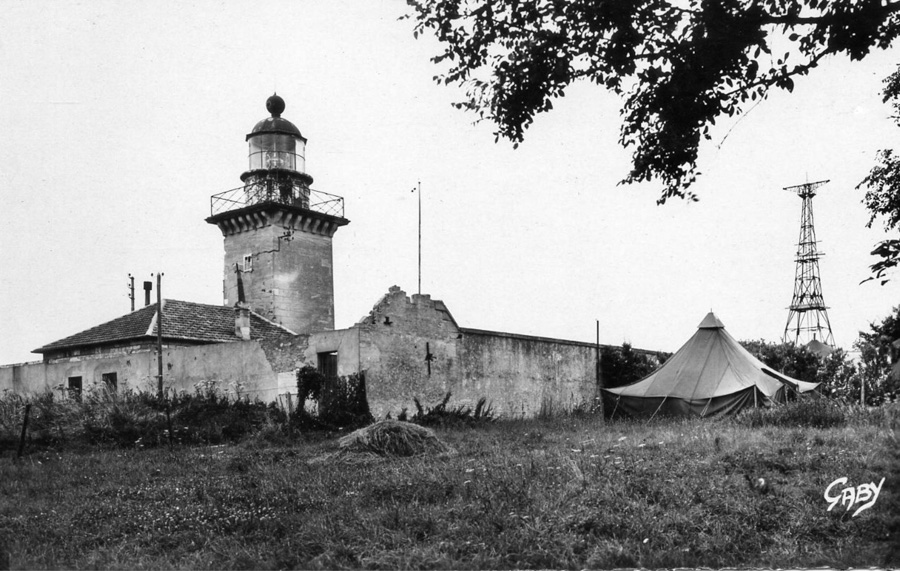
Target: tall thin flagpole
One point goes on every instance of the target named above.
(420, 237)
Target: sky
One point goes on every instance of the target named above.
(119, 120)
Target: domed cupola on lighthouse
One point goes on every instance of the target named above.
(278, 230)
(278, 150)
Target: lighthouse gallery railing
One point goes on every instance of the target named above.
(268, 191)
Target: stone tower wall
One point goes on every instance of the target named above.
(291, 282)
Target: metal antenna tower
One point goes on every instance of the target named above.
(807, 318)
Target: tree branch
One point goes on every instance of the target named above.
(773, 79)
(790, 20)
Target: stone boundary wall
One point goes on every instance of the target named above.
(524, 375)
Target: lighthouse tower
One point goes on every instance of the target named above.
(278, 231)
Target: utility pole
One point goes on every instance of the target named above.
(131, 290)
(159, 328)
(598, 354)
(420, 237)
(598, 373)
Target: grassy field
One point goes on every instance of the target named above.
(570, 492)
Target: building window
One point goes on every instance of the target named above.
(328, 364)
(74, 387)
(248, 263)
(111, 382)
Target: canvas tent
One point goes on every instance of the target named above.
(712, 374)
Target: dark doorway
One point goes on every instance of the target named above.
(110, 381)
(328, 364)
(74, 387)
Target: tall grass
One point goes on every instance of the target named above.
(806, 413)
(130, 418)
(567, 492)
(819, 413)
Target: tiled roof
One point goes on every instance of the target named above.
(182, 320)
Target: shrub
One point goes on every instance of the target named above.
(343, 401)
(212, 417)
(125, 421)
(440, 415)
(802, 413)
(340, 402)
(309, 384)
(886, 415)
(50, 420)
(130, 418)
(623, 365)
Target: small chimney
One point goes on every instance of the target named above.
(242, 321)
(147, 287)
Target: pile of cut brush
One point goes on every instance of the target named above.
(389, 438)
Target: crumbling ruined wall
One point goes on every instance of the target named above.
(517, 374)
(286, 355)
(407, 346)
(417, 315)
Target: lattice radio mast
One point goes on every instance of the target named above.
(807, 318)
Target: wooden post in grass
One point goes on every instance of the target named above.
(169, 422)
(290, 418)
(24, 428)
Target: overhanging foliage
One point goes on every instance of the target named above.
(679, 65)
